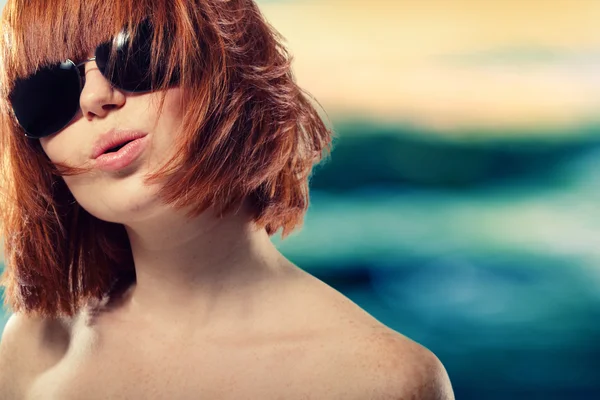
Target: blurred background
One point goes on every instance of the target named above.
(460, 203)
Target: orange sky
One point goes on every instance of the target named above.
(415, 60)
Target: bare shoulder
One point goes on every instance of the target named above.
(395, 367)
(14, 347)
(28, 346)
(370, 360)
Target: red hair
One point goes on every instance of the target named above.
(249, 135)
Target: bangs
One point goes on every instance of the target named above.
(40, 32)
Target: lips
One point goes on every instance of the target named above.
(125, 157)
(114, 139)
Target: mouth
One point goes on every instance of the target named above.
(117, 148)
(122, 155)
(115, 140)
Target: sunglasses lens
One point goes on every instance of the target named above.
(47, 101)
(131, 70)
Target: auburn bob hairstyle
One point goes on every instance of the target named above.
(249, 135)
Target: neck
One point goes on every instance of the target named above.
(204, 266)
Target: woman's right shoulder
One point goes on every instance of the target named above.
(15, 350)
(27, 348)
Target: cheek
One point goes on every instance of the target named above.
(169, 122)
(173, 107)
(53, 148)
(64, 147)
(45, 145)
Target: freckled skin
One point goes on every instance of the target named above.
(302, 341)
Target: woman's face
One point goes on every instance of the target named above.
(115, 196)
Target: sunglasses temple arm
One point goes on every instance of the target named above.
(86, 61)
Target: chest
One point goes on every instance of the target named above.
(140, 369)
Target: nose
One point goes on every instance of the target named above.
(98, 96)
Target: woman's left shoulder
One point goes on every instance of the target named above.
(392, 366)
(369, 359)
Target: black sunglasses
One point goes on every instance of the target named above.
(47, 101)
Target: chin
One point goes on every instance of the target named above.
(120, 206)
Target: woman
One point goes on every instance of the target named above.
(149, 151)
